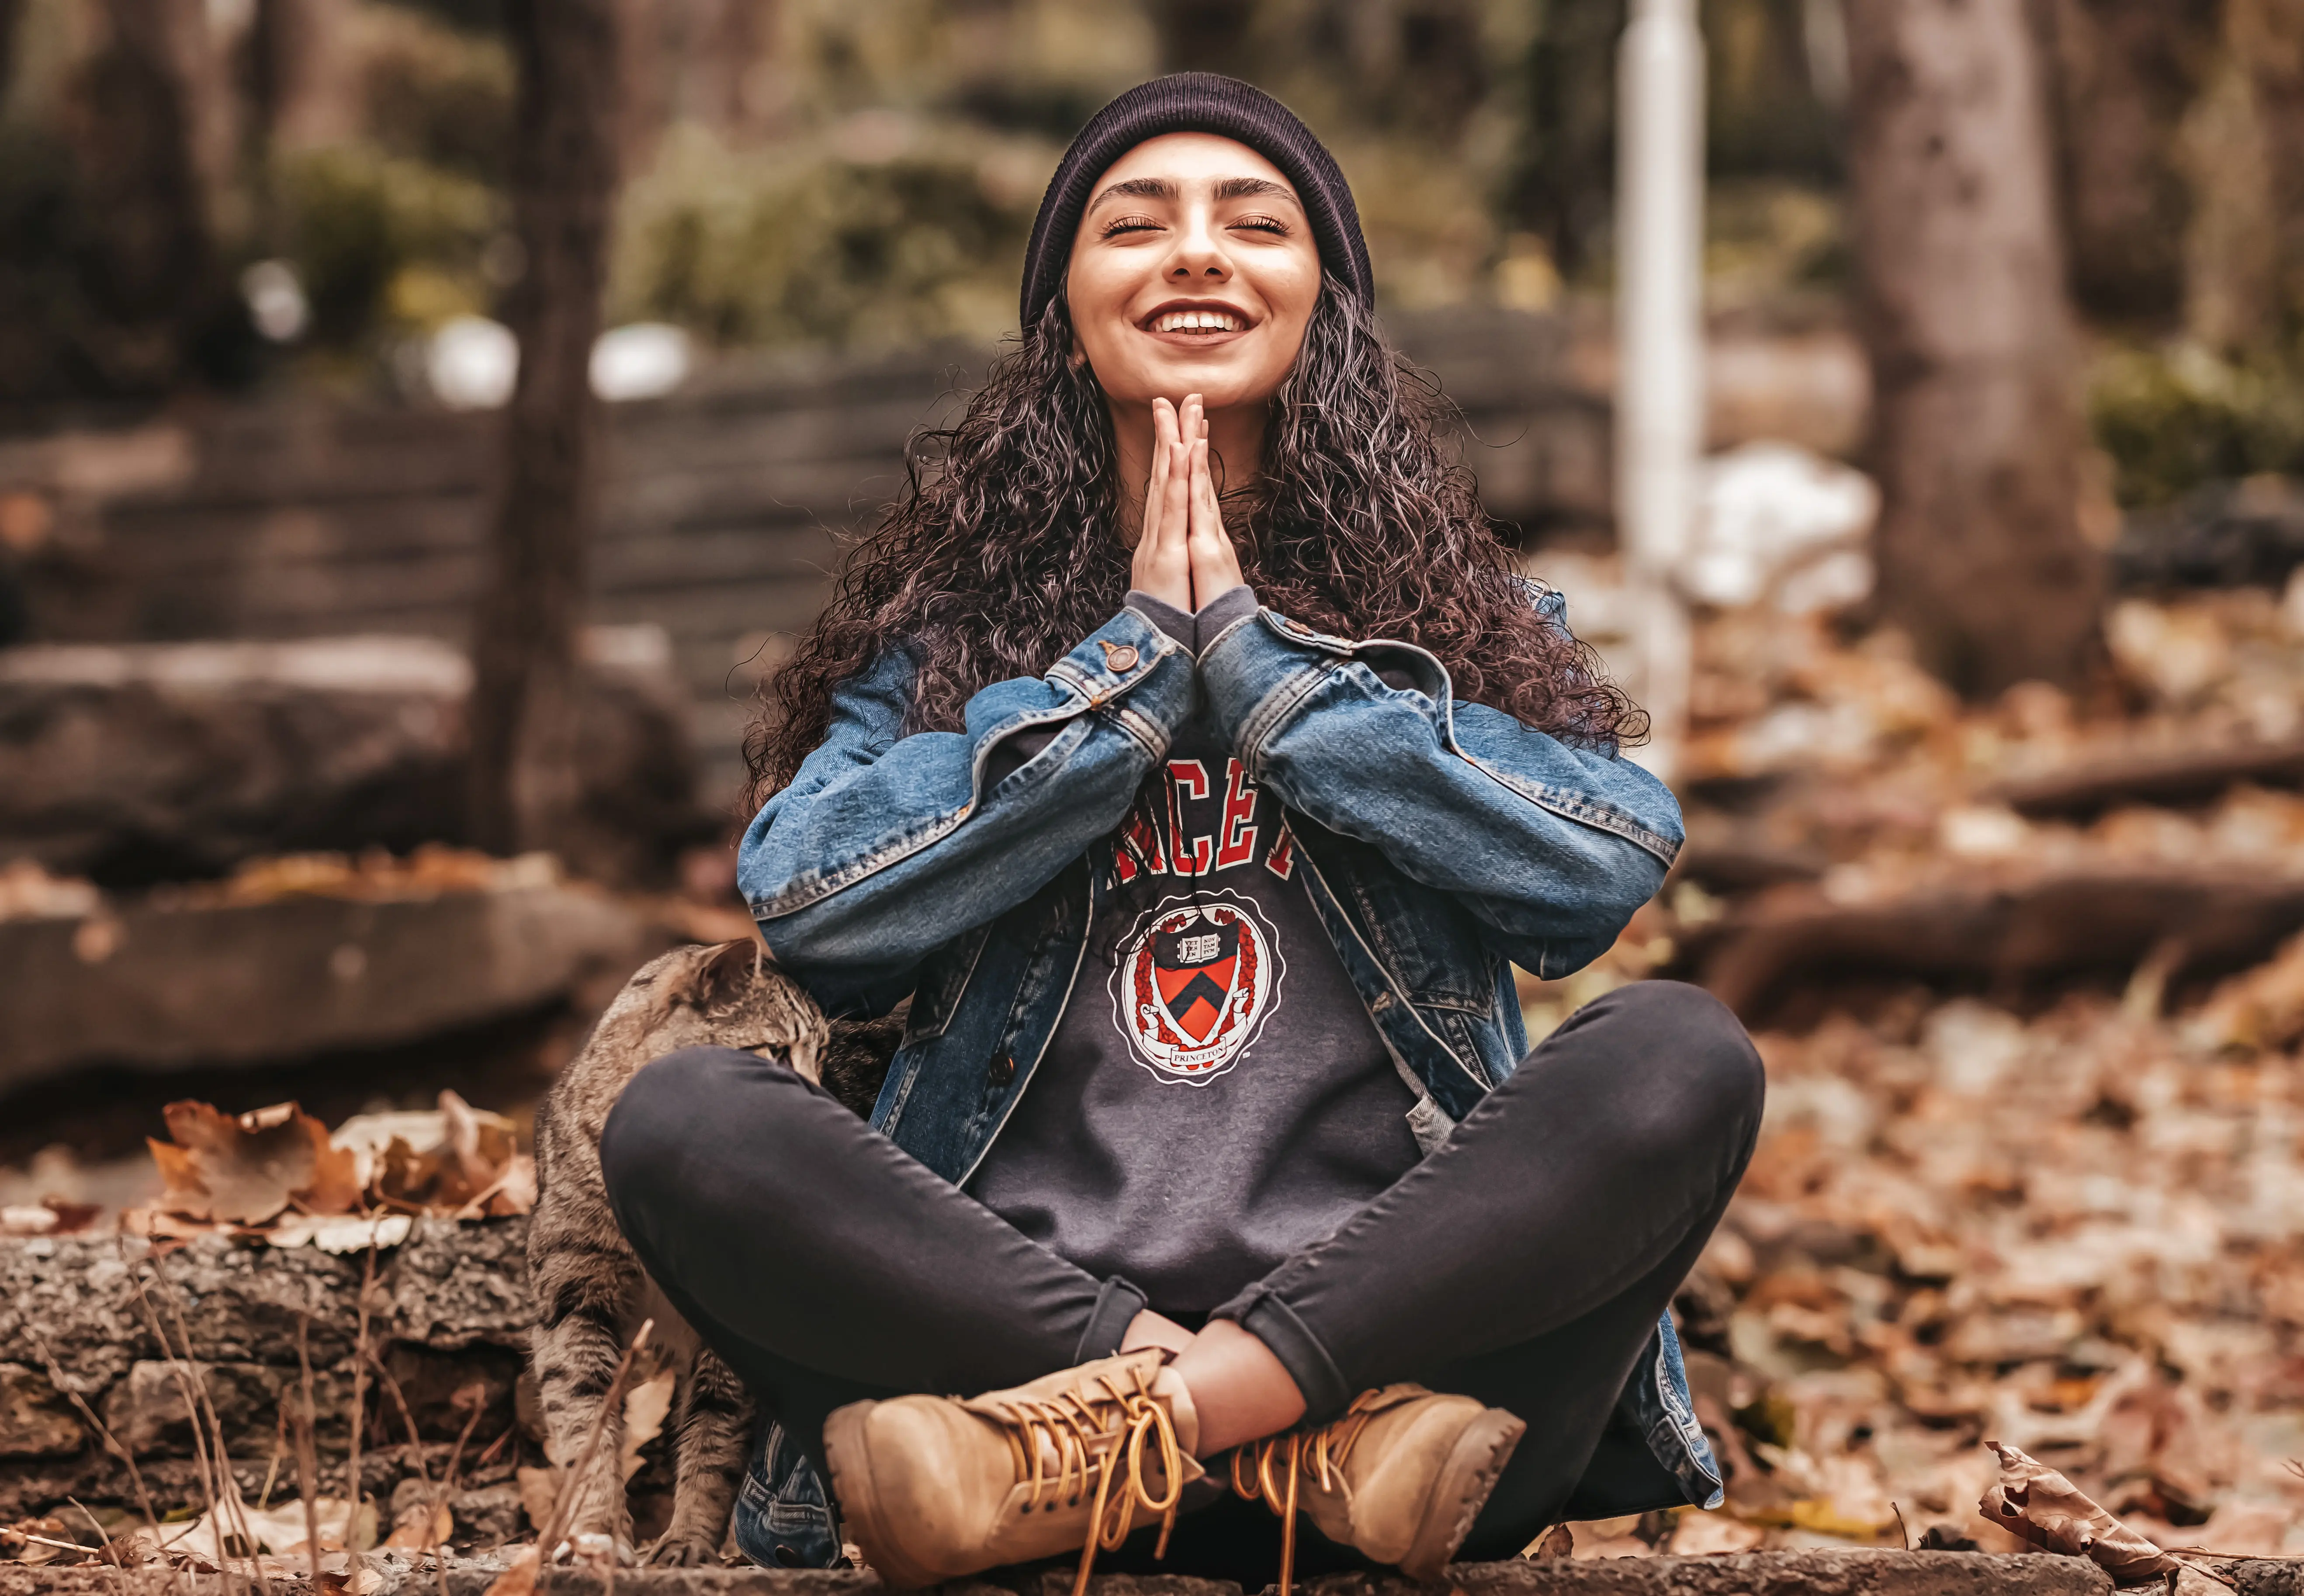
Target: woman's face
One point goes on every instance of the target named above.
(1194, 271)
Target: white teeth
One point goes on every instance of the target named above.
(1192, 321)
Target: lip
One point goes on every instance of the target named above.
(1196, 339)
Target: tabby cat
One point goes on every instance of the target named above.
(591, 1290)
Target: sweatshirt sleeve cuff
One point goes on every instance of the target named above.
(1235, 602)
(1165, 615)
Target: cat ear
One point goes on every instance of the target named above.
(726, 971)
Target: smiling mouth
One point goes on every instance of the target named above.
(1205, 321)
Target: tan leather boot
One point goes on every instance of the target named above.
(934, 1487)
(1400, 1477)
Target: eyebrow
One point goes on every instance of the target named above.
(1162, 188)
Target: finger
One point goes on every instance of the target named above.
(1206, 514)
(1155, 488)
(1176, 506)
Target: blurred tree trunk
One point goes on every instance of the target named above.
(300, 76)
(1203, 36)
(2241, 148)
(147, 260)
(1976, 431)
(524, 789)
(2124, 72)
(1561, 187)
(12, 13)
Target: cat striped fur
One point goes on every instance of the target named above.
(591, 1292)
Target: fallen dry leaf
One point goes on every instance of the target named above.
(1712, 1534)
(51, 1216)
(540, 1493)
(246, 1169)
(423, 1526)
(441, 1160)
(646, 1406)
(339, 1233)
(519, 1578)
(2034, 1501)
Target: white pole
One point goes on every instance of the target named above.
(1660, 345)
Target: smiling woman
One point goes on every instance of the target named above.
(1185, 752)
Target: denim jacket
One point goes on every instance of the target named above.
(1444, 843)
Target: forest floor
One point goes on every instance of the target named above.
(2048, 1193)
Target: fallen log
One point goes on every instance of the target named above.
(2183, 776)
(140, 763)
(2008, 937)
(447, 1310)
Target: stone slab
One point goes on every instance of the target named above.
(160, 986)
(1754, 1574)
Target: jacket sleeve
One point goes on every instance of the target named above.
(886, 846)
(1551, 846)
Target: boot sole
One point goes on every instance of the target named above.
(850, 1459)
(1466, 1480)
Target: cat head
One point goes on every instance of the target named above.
(732, 994)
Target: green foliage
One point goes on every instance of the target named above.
(816, 245)
(437, 95)
(364, 226)
(2175, 419)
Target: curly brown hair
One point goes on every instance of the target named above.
(1004, 548)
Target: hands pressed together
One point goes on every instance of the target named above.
(1184, 557)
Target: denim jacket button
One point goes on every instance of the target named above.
(1002, 1070)
(1120, 656)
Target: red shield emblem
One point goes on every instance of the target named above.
(1194, 985)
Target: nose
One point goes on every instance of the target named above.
(1199, 252)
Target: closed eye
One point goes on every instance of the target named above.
(1120, 224)
(1273, 224)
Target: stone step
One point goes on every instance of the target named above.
(1749, 1574)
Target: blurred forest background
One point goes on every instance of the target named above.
(808, 171)
(1992, 758)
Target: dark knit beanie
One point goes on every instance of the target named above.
(1196, 103)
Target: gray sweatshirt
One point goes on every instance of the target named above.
(1214, 1097)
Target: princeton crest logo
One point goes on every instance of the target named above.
(1193, 984)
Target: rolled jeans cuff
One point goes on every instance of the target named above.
(1117, 1304)
(1291, 1340)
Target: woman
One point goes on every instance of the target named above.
(1186, 752)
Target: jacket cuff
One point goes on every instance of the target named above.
(1132, 666)
(1165, 615)
(1258, 670)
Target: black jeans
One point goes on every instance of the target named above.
(1525, 1263)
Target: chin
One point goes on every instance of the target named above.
(1219, 383)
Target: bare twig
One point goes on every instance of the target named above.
(307, 1453)
(110, 1551)
(415, 1441)
(1903, 1530)
(111, 1444)
(279, 1449)
(495, 1446)
(228, 1483)
(360, 1378)
(217, 1487)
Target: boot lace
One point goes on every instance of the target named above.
(1098, 1436)
(1269, 1470)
